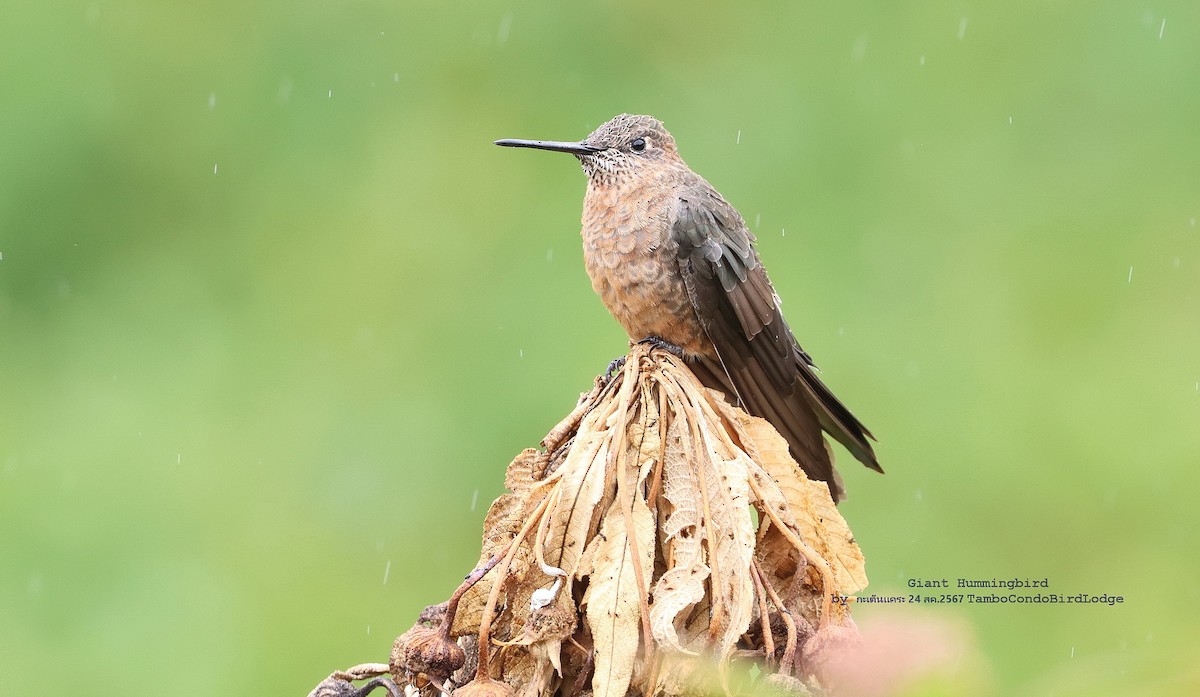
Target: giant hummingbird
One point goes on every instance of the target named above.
(675, 264)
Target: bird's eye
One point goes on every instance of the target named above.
(638, 144)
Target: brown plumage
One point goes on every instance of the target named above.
(672, 260)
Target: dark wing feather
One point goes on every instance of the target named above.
(760, 362)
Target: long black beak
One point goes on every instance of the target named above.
(556, 146)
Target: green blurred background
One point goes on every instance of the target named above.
(275, 314)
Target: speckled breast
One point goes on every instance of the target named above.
(632, 262)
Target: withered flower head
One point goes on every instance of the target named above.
(425, 651)
(484, 687)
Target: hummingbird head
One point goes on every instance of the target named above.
(625, 146)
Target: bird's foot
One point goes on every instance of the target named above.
(613, 366)
(658, 343)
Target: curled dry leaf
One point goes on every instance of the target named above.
(686, 535)
(614, 598)
(682, 585)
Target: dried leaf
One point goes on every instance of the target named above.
(581, 487)
(682, 585)
(542, 672)
(613, 598)
(643, 437)
(817, 518)
(518, 478)
(504, 518)
(730, 539)
(729, 529)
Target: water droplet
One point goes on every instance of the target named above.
(284, 93)
(858, 52)
(505, 25)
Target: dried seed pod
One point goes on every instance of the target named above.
(425, 651)
(484, 687)
(433, 614)
(550, 623)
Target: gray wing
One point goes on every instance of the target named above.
(760, 361)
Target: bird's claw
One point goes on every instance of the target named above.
(613, 366)
(659, 343)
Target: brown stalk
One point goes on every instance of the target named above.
(789, 649)
(764, 616)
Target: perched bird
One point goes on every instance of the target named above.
(675, 264)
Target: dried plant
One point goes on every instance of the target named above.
(660, 536)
